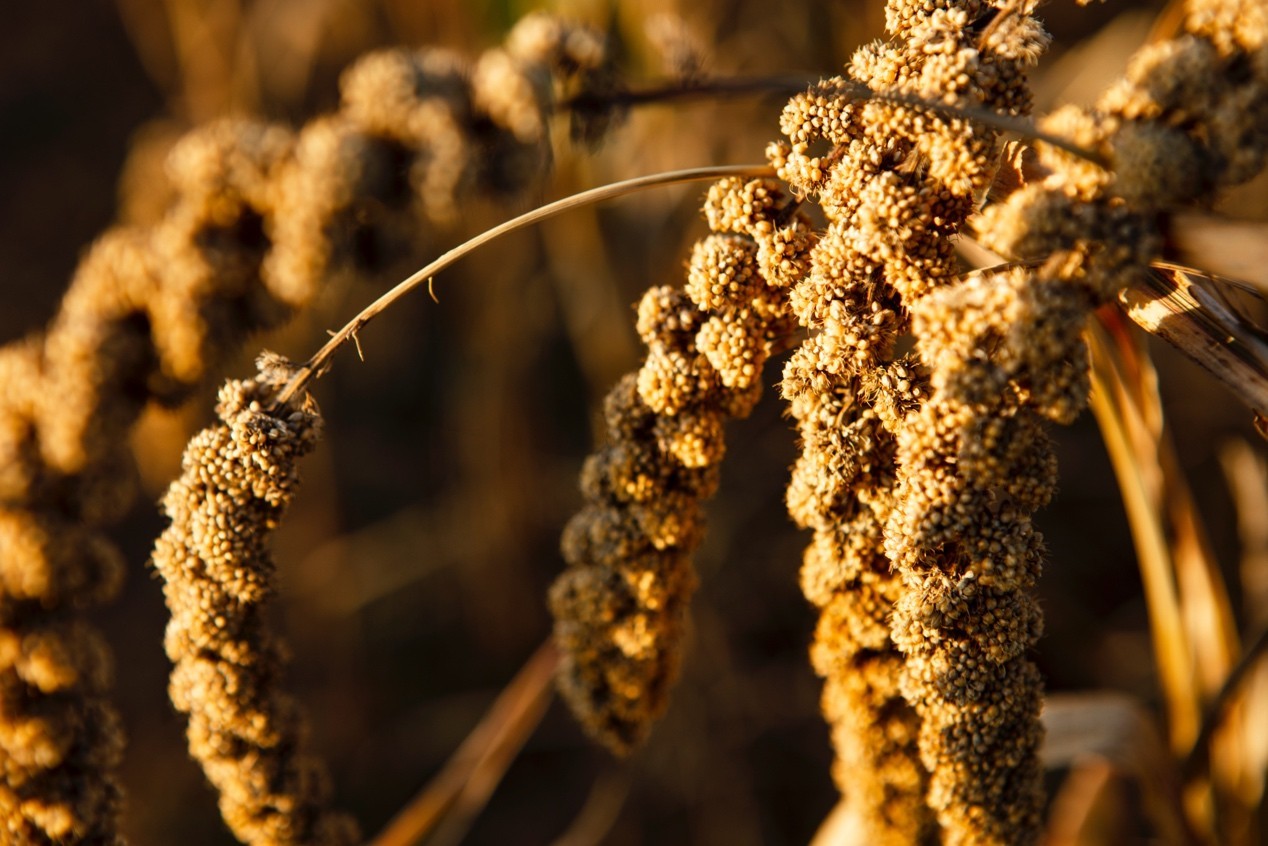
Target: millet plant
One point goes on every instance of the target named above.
(929, 276)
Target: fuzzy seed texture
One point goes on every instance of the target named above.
(920, 469)
(930, 466)
(621, 606)
(896, 185)
(246, 733)
(920, 395)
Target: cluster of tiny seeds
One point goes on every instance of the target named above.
(258, 217)
(894, 182)
(247, 735)
(620, 607)
(57, 727)
(1004, 352)
(1189, 117)
(973, 466)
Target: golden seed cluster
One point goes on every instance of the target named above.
(1190, 117)
(973, 464)
(620, 607)
(426, 128)
(894, 182)
(246, 733)
(919, 474)
(1004, 352)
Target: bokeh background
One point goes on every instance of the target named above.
(415, 562)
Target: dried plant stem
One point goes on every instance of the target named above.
(475, 769)
(1013, 124)
(1187, 575)
(1210, 624)
(739, 86)
(1120, 427)
(706, 88)
(1190, 619)
(320, 362)
(1196, 761)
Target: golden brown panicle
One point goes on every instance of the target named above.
(1005, 352)
(244, 730)
(894, 182)
(620, 608)
(421, 130)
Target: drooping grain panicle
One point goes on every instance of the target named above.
(244, 730)
(894, 183)
(257, 218)
(621, 606)
(1005, 352)
(1189, 118)
(972, 469)
(147, 313)
(60, 739)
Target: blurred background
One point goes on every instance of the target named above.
(415, 561)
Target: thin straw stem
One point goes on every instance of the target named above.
(469, 777)
(1128, 442)
(1021, 126)
(790, 85)
(784, 86)
(1195, 762)
(320, 362)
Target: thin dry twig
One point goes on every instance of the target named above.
(1209, 629)
(320, 362)
(462, 788)
(789, 85)
(784, 86)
